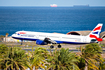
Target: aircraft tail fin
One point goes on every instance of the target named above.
(96, 32)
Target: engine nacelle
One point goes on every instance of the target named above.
(40, 42)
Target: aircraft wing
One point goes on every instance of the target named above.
(48, 40)
(45, 41)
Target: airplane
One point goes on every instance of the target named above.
(43, 38)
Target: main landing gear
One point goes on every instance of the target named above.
(51, 46)
(59, 46)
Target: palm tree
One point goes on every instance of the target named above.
(37, 58)
(15, 59)
(3, 52)
(41, 52)
(90, 55)
(102, 65)
(35, 62)
(63, 60)
(3, 49)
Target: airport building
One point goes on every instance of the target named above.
(10, 39)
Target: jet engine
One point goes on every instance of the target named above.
(41, 42)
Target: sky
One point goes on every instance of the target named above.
(48, 2)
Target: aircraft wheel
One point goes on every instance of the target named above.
(59, 46)
(51, 46)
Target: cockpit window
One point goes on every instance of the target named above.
(16, 33)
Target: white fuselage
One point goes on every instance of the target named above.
(59, 38)
(45, 38)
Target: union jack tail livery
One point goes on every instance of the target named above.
(96, 32)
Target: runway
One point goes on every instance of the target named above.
(73, 48)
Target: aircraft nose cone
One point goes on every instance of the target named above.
(13, 35)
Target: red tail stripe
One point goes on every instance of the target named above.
(98, 28)
(99, 39)
(93, 36)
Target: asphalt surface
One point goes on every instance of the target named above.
(74, 48)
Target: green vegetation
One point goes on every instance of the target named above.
(90, 56)
(63, 60)
(14, 58)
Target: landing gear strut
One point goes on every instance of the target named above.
(21, 42)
